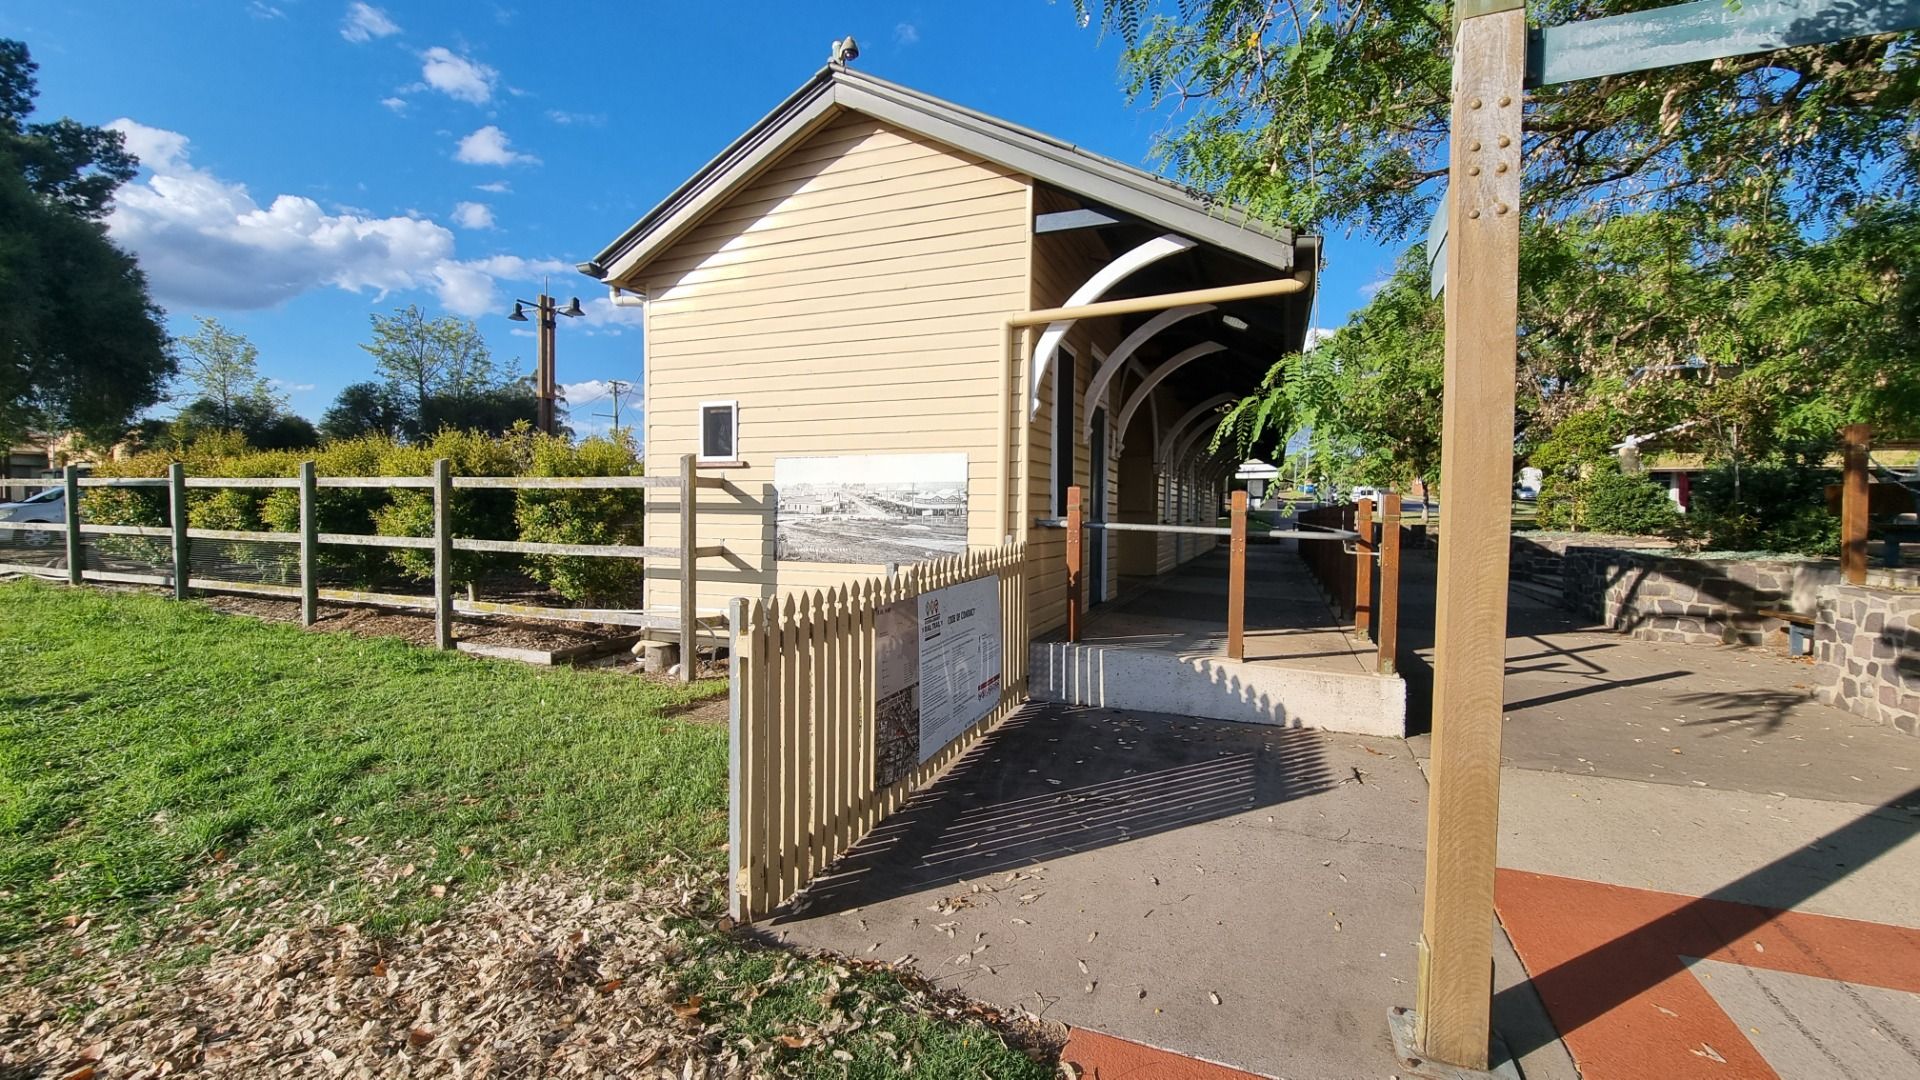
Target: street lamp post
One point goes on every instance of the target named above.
(546, 385)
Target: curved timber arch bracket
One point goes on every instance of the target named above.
(1176, 437)
(1158, 375)
(1096, 286)
(1097, 386)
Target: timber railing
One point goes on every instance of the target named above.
(818, 755)
(1077, 524)
(1361, 572)
(178, 538)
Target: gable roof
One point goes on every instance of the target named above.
(1132, 191)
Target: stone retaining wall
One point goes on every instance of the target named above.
(1868, 648)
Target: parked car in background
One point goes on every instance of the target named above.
(49, 505)
(1364, 492)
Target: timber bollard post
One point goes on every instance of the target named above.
(1454, 995)
(177, 511)
(1363, 568)
(76, 560)
(1074, 526)
(443, 553)
(1237, 579)
(689, 559)
(1388, 634)
(1854, 498)
(309, 546)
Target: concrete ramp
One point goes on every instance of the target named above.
(1168, 681)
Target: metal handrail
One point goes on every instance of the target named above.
(1309, 532)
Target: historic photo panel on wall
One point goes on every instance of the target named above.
(870, 508)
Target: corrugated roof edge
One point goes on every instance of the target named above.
(1123, 187)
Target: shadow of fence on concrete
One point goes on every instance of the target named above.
(1051, 782)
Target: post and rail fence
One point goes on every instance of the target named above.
(1362, 581)
(1321, 542)
(179, 535)
(819, 754)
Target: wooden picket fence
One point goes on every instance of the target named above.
(803, 772)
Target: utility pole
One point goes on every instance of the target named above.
(546, 384)
(615, 388)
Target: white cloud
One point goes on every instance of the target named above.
(489, 146)
(291, 387)
(606, 317)
(577, 119)
(590, 405)
(906, 34)
(473, 215)
(497, 187)
(457, 76)
(1372, 288)
(259, 9)
(205, 242)
(1316, 335)
(364, 22)
(397, 104)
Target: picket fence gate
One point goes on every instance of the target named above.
(803, 775)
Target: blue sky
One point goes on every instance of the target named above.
(311, 162)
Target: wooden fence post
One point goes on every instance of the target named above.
(309, 546)
(689, 560)
(1854, 497)
(1454, 997)
(1363, 568)
(1074, 526)
(1237, 579)
(177, 510)
(443, 553)
(76, 564)
(1388, 632)
(739, 703)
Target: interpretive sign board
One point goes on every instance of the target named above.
(937, 672)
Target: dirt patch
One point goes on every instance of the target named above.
(417, 626)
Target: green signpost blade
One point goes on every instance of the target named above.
(1705, 30)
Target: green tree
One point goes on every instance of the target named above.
(81, 345)
(364, 408)
(423, 359)
(1336, 113)
(224, 370)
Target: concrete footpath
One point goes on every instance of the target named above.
(1703, 873)
(1706, 873)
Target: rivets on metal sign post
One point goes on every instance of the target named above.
(1473, 170)
(1475, 103)
(1505, 142)
(1505, 101)
(1500, 168)
(1501, 208)
(1473, 213)
(1474, 146)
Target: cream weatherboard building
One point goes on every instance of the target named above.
(832, 310)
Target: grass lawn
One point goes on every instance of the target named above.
(148, 747)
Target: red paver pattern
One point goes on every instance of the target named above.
(1103, 1057)
(1608, 963)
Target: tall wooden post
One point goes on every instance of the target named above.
(309, 545)
(76, 554)
(1455, 997)
(1237, 579)
(1363, 568)
(689, 570)
(443, 553)
(1854, 498)
(544, 379)
(1074, 526)
(177, 514)
(1387, 632)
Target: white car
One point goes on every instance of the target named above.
(49, 505)
(1365, 493)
